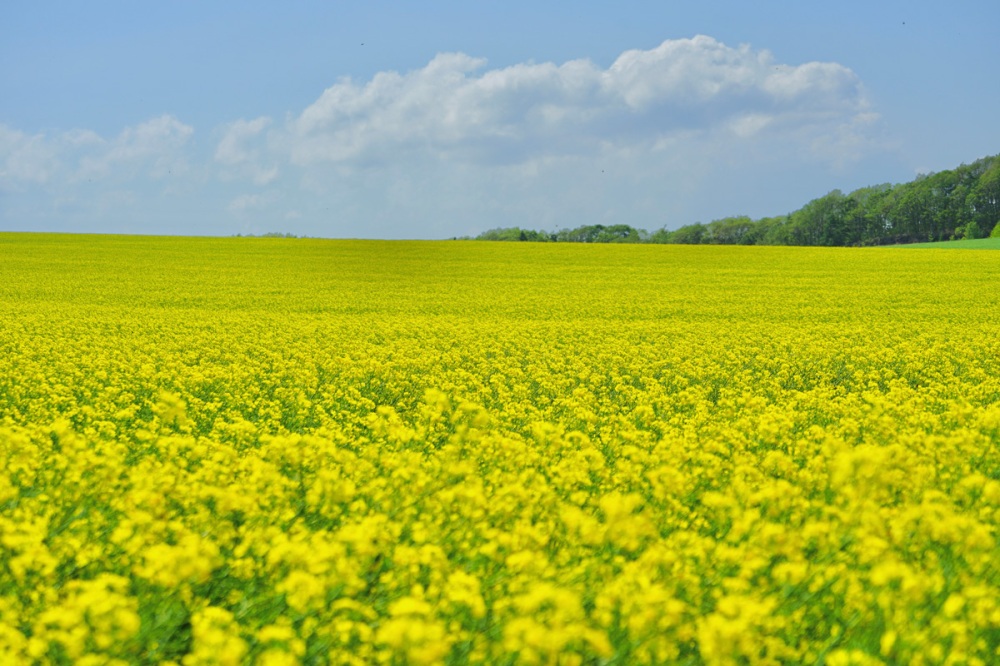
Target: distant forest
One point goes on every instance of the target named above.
(955, 204)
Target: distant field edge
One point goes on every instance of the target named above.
(62, 236)
(977, 244)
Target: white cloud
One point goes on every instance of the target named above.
(455, 109)
(234, 148)
(687, 130)
(250, 202)
(153, 147)
(240, 151)
(685, 73)
(25, 159)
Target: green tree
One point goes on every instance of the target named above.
(729, 230)
(972, 230)
(771, 231)
(691, 234)
(984, 196)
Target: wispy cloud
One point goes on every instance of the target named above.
(153, 148)
(249, 202)
(239, 152)
(25, 159)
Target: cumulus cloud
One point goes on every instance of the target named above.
(456, 145)
(454, 108)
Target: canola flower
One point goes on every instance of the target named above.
(229, 451)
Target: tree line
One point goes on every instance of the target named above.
(954, 204)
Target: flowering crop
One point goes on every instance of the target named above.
(226, 451)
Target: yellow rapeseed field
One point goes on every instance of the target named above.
(227, 451)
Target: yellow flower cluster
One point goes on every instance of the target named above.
(228, 451)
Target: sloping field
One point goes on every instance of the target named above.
(304, 451)
(974, 244)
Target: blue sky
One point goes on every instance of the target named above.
(436, 119)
